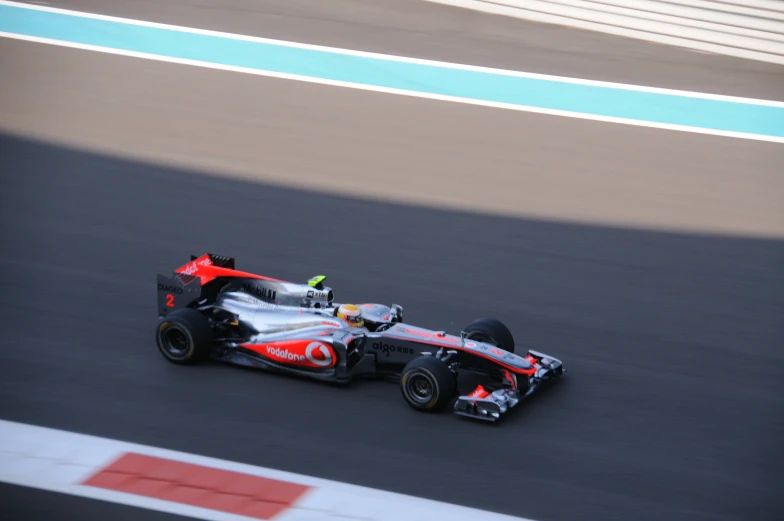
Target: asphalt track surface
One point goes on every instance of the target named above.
(28, 504)
(673, 405)
(672, 409)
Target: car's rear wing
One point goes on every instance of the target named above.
(183, 288)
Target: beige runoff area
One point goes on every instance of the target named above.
(389, 147)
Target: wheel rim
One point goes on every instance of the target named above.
(175, 342)
(420, 388)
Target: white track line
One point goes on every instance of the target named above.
(388, 57)
(59, 461)
(401, 92)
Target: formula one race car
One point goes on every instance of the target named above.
(210, 310)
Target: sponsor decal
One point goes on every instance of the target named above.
(305, 353)
(284, 354)
(328, 332)
(258, 303)
(247, 299)
(430, 335)
(317, 294)
(506, 357)
(479, 392)
(170, 289)
(318, 354)
(388, 349)
(264, 293)
(513, 359)
(193, 266)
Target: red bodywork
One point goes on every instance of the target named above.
(479, 393)
(207, 271)
(452, 342)
(299, 353)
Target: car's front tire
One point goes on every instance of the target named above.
(491, 331)
(428, 384)
(184, 337)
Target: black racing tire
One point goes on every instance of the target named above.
(491, 331)
(427, 384)
(184, 337)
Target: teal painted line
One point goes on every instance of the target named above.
(485, 86)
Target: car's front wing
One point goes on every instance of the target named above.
(485, 405)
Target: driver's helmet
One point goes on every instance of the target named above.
(351, 314)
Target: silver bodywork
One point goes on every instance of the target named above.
(255, 319)
(273, 322)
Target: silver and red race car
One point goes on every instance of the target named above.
(209, 310)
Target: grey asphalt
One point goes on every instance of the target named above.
(29, 504)
(672, 408)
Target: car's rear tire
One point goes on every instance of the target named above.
(491, 331)
(184, 337)
(428, 384)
